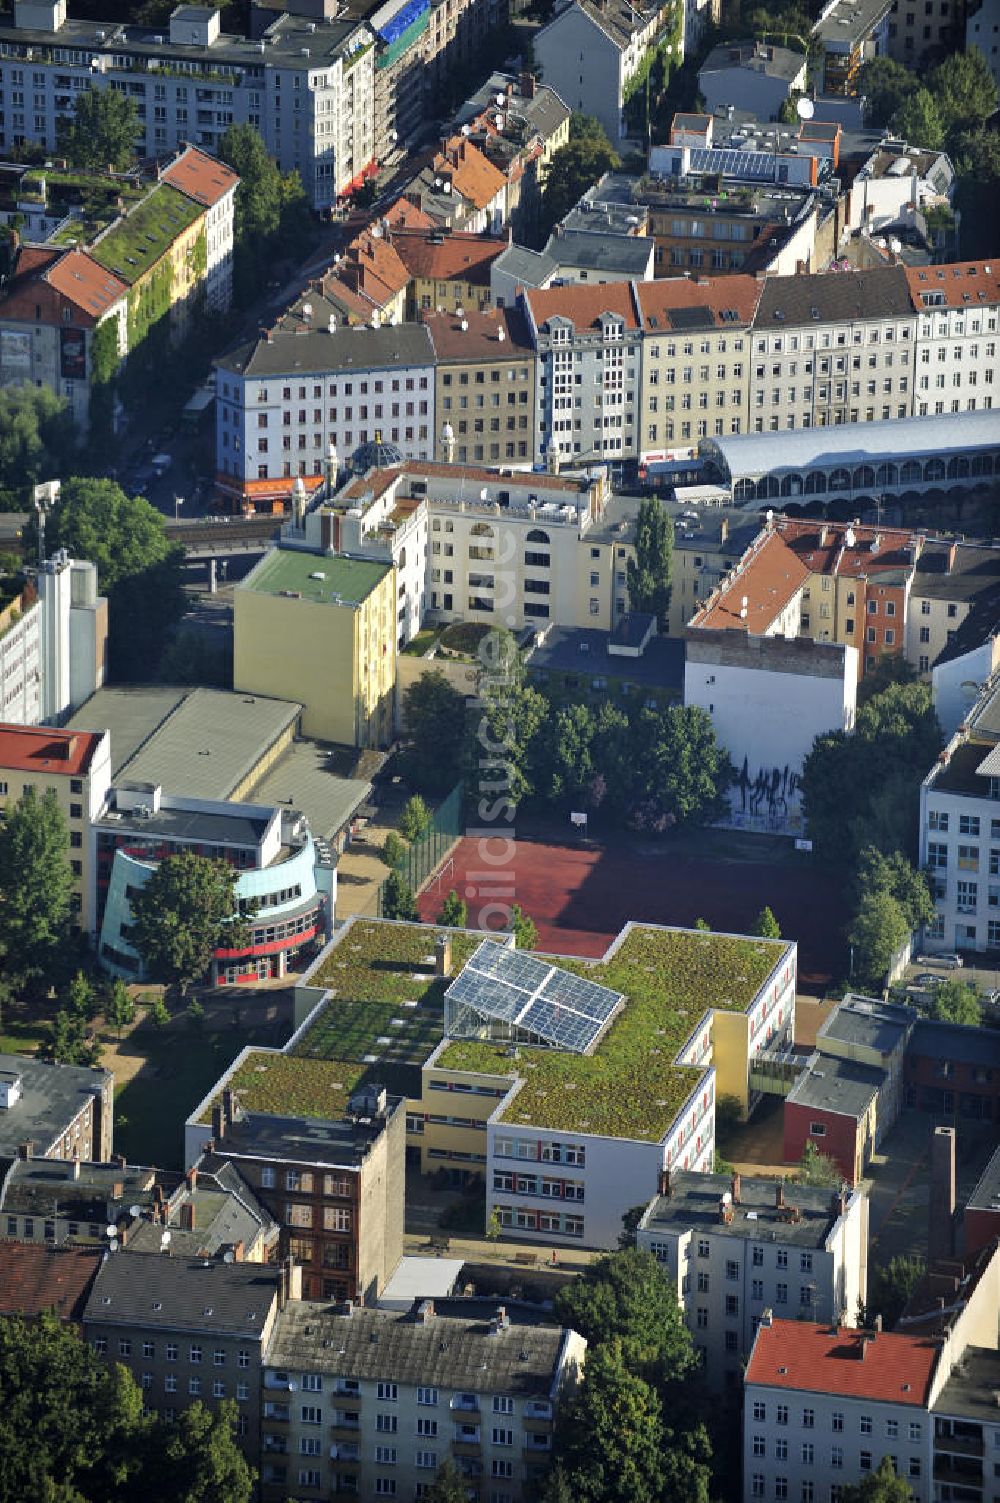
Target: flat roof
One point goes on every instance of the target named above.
(837, 1085)
(235, 826)
(51, 1096)
(799, 1354)
(130, 713)
(420, 1278)
(752, 455)
(584, 650)
(850, 21)
(456, 1347)
(332, 1141)
(881, 1026)
(83, 1191)
(955, 1041)
(44, 749)
(778, 62)
(316, 577)
(211, 742)
(304, 778)
(972, 1386)
(693, 1204)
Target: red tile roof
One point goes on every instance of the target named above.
(50, 279)
(441, 258)
(199, 176)
(583, 304)
(737, 295)
(969, 284)
(35, 1278)
(26, 748)
(478, 340)
(823, 546)
(472, 173)
(767, 579)
(895, 1369)
(405, 215)
(82, 281)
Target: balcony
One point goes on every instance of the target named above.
(346, 1451)
(274, 1411)
(538, 1409)
(464, 1403)
(536, 1446)
(346, 1424)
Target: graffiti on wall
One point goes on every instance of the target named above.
(769, 796)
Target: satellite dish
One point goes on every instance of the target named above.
(135, 1210)
(805, 108)
(111, 1231)
(727, 1198)
(165, 1239)
(229, 1257)
(113, 1245)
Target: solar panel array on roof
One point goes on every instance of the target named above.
(751, 166)
(528, 993)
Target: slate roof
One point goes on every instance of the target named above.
(35, 1278)
(778, 62)
(454, 1350)
(836, 297)
(314, 350)
(52, 1096)
(39, 1187)
(183, 1294)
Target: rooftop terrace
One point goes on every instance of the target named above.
(631, 1086)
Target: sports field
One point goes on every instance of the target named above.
(580, 895)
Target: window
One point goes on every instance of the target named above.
(125, 1348)
(781, 1450)
(386, 1424)
(732, 1269)
(387, 1391)
(892, 1429)
(171, 1351)
(837, 1420)
(837, 1457)
(781, 1259)
(170, 1383)
(916, 1430)
(866, 1424)
(781, 1487)
(428, 1459)
(194, 1386)
(732, 1305)
(808, 1454)
(218, 1358)
(267, 1178)
(385, 1455)
(195, 1354)
(385, 1487)
(427, 1428)
(703, 1283)
(816, 1130)
(781, 1414)
(502, 1437)
(913, 1467)
(428, 1396)
(760, 1445)
(968, 824)
(502, 1404)
(758, 1257)
(865, 1461)
(757, 1485)
(148, 1349)
(808, 1419)
(502, 1467)
(759, 1410)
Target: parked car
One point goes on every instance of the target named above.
(950, 962)
(927, 978)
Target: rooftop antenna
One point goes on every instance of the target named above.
(45, 497)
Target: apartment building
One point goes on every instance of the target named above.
(733, 1247)
(519, 124)
(956, 336)
(591, 50)
(484, 386)
(448, 273)
(308, 89)
(845, 36)
(400, 1394)
(915, 30)
(470, 544)
(588, 379)
(213, 185)
(953, 584)
(334, 1185)
(283, 399)
(42, 1280)
(755, 225)
(824, 1405)
(54, 1111)
(982, 28)
(53, 651)
(341, 614)
(833, 349)
(695, 359)
(76, 766)
(189, 1330)
(752, 76)
(960, 832)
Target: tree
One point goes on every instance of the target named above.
(766, 925)
(434, 716)
(649, 571)
(964, 91)
(880, 928)
(186, 911)
(500, 745)
(393, 851)
(158, 1013)
(956, 1001)
(195, 1013)
(881, 1486)
(523, 928)
(447, 1486)
(556, 1487)
(890, 1288)
(37, 439)
(611, 1437)
(36, 887)
(681, 772)
(817, 1168)
(885, 84)
(271, 213)
(918, 119)
(565, 770)
(138, 568)
(69, 1043)
(81, 998)
(454, 913)
(575, 167)
(72, 1429)
(102, 131)
(398, 901)
(120, 1011)
(894, 874)
(976, 155)
(415, 819)
(494, 1226)
(624, 1296)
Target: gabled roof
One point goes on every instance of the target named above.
(199, 176)
(675, 303)
(886, 1366)
(35, 1278)
(80, 280)
(151, 1292)
(834, 297)
(969, 284)
(583, 305)
(404, 215)
(767, 581)
(472, 173)
(441, 258)
(619, 20)
(479, 339)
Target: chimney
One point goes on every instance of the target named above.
(724, 530)
(725, 1211)
(940, 1230)
(218, 1124)
(26, 1150)
(779, 1195)
(192, 1179)
(527, 85)
(157, 1195)
(229, 1105)
(824, 536)
(736, 1186)
(117, 1189)
(663, 1186)
(425, 1311)
(74, 1169)
(239, 1252)
(863, 1347)
(878, 1325)
(952, 554)
(189, 1216)
(442, 955)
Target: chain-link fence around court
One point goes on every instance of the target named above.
(446, 826)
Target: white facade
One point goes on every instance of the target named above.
(982, 30)
(587, 388)
(769, 698)
(726, 1274)
(53, 657)
(588, 58)
(956, 366)
(957, 683)
(309, 90)
(21, 669)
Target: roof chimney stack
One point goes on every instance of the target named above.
(663, 1185)
(442, 955)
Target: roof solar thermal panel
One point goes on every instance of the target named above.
(513, 967)
(583, 996)
(559, 1026)
(488, 995)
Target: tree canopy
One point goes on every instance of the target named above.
(271, 212)
(37, 440)
(575, 167)
(72, 1430)
(880, 928)
(434, 716)
(102, 131)
(956, 1001)
(624, 1296)
(890, 1286)
(185, 912)
(36, 888)
(649, 571)
(881, 1486)
(766, 925)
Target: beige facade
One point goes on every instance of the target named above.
(484, 387)
(322, 631)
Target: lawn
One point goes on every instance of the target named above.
(18, 1037)
(180, 1066)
